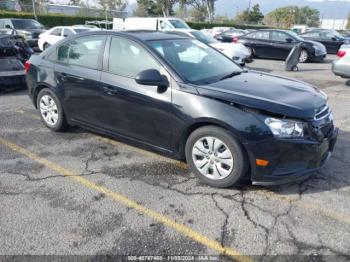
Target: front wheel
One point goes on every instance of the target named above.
(51, 111)
(304, 56)
(216, 157)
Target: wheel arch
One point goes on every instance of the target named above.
(202, 123)
(37, 90)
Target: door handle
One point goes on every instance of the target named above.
(65, 76)
(110, 90)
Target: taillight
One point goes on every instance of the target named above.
(27, 66)
(341, 53)
(235, 39)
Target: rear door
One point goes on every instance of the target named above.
(137, 111)
(77, 73)
(55, 35)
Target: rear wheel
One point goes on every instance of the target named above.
(51, 111)
(46, 46)
(215, 156)
(304, 56)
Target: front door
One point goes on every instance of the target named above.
(136, 111)
(281, 44)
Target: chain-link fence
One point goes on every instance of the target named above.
(61, 9)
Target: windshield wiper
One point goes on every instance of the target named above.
(234, 73)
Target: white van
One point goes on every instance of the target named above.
(149, 23)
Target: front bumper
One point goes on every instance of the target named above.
(318, 58)
(289, 160)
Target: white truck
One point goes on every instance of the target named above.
(149, 23)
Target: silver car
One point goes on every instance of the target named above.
(341, 67)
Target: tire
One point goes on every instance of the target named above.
(51, 111)
(46, 46)
(251, 51)
(304, 56)
(213, 166)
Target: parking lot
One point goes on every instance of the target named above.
(78, 193)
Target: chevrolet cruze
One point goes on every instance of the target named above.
(184, 99)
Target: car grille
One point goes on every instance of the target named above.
(322, 113)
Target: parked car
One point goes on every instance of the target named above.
(341, 67)
(215, 31)
(277, 44)
(180, 97)
(149, 23)
(56, 34)
(14, 52)
(29, 29)
(237, 52)
(331, 39)
(230, 35)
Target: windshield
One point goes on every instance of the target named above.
(194, 61)
(203, 37)
(26, 24)
(178, 24)
(295, 35)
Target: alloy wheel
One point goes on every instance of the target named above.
(48, 110)
(212, 158)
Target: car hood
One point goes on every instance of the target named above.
(267, 92)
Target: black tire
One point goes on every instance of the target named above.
(61, 123)
(304, 56)
(240, 161)
(251, 51)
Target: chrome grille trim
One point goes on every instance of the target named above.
(322, 113)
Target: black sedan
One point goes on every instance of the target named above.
(277, 44)
(183, 98)
(331, 39)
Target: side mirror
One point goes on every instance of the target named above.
(289, 40)
(8, 26)
(151, 77)
(334, 38)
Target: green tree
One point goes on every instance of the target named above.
(348, 24)
(287, 16)
(118, 5)
(155, 7)
(253, 16)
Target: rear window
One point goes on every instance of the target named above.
(26, 24)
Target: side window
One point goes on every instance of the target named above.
(312, 34)
(85, 51)
(128, 58)
(279, 36)
(327, 35)
(264, 35)
(2, 23)
(67, 32)
(56, 32)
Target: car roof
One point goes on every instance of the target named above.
(142, 35)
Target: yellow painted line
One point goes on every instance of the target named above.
(308, 206)
(180, 228)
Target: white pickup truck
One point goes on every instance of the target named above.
(149, 23)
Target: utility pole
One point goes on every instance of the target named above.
(34, 12)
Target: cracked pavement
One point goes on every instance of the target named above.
(45, 213)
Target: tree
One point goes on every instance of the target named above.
(206, 7)
(348, 24)
(287, 16)
(75, 2)
(155, 7)
(118, 5)
(248, 16)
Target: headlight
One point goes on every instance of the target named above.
(284, 128)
